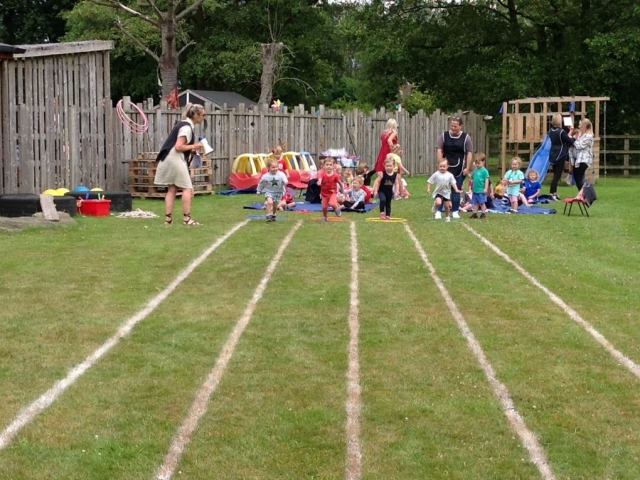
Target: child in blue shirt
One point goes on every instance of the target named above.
(531, 187)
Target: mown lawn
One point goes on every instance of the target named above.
(427, 410)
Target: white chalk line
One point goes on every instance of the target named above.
(201, 402)
(528, 438)
(575, 316)
(27, 414)
(353, 469)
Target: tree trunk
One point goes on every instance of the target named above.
(270, 53)
(169, 61)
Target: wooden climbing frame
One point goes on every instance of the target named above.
(527, 121)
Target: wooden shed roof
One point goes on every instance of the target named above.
(9, 51)
(4, 48)
(66, 48)
(219, 99)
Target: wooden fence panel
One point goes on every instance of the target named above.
(10, 134)
(54, 113)
(4, 122)
(59, 129)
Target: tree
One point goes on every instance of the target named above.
(133, 72)
(270, 52)
(474, 54)
(167, 23)
(227, 54)
(229, 57)
(32, 21)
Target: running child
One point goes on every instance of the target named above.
(399, 168)
(329, 183)
(383, 187)
(479, 186)
(272, 184)
(444, 182)
(512, 180)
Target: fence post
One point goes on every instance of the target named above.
(626, 155)
(232, 126)
(319, 128)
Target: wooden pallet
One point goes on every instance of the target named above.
(154, 191)
(147, 156)
(147, 168)
(142, 172)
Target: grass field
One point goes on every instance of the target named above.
(506, 348)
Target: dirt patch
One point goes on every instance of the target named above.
(13, 224)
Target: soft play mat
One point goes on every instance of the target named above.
(302, 206)
(235, 191)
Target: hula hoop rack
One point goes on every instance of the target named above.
(127, 121)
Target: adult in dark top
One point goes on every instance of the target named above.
(559, 152)
(172, 170)
(456, 147)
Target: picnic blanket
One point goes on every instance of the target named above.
(302, 206)
(504, 206)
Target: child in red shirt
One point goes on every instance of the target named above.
(282, 162)
(287, 202)
(329, 183)
(363, 171)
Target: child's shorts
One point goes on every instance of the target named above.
(478, 199)
(443, 198)
(514, 198)
(274, 196)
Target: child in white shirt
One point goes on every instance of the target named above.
(355, 196)
(444, 182)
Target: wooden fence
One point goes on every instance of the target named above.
(621, 155)
(236, 131)
(59, 128)
(56, 115)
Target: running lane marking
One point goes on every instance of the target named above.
(28, 413)
(528, 438)
(199, 406)
(575, 316)
(353, 469)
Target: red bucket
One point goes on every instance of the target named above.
(96, 208)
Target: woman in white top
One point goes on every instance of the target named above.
(584, 152)
(172, 168)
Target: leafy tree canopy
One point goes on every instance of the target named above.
(32, 21)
